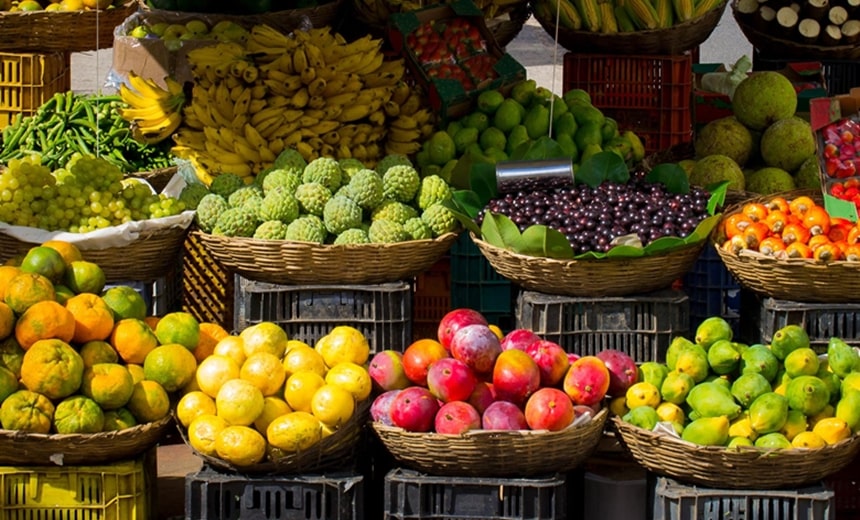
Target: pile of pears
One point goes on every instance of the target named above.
(714, 391)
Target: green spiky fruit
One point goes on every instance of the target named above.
(236, 222)
(279, 205)
(433, 189)
(211, 206)
(341, 213)
(226, 183)
(312, 197)
(386, 232)
(400, 183)
(271, 230)
(352, 236)
(324, 170)
(439, 219)
(393, 211)
(308, 228)
(365, 188)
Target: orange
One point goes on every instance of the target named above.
(832, 429)
(108, 384)
(178, 327)
(152, 321)
(352, 378)
(125, 302)
(118, 419)
(8, 383)
(273, 407)
(149, 401)
(97, 351)
(78, 414)
(7, 272)
(52, 368)
(67, 250)
(27, 411)
(44, 320)
(232, 347)
(295, 431)
(240, 445)
(266, 337)
(71, 5)
(265, 371)
(300, 388)
(25, 289)
(214, 371)
(239, 402)
(343, 343)
(29, 5)
(133, 340)
(45, 261)
(210, 335)
(203, 431)
(136, 372)
(332, 405)
(301, 356)
(11, 355)
(85, 277)
(93, 317)
(192, 405)
(62, 294)
(172, 365)
(7, 321)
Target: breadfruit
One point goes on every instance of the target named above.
(769, 180)
(725, 136)
(787, 143)
(717, 168)
(764, 98)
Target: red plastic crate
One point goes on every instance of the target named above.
(431, 299)
(650, 95)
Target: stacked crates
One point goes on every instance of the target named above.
(475, 284)
(431, 299)
(840, 76)
(29, 80)
(821, 321)
(713, 291)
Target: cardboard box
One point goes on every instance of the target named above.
(807, 77)
(836, 124)
(453, 98)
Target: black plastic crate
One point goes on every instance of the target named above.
(642, 326)
(845, 484)
(713, 291)
(820, 320)
(476, 285)
(382, 312)
(676, 501)
(212, 495)
(413, 495)
(840, 76)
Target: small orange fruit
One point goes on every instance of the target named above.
(67, 250)
(7, 272)
(149, 401)
(125, 302)
(214, 371)
(27, 411)
(52, 368)
(210, 335)
(300, 388)
(265, 336)
(172, 365)
(265, 371)
(119, 419)
(240, 445)
(7, 321)
(351, 377)
(44, 320)
(25, 289)
(301, 356)
(332, 405)
(239, 402)
(232, 347)
(85, 277)
(78, 414)
(203, 431)
(273, 407)
(133, 340)
(45, 261)
(93, 317)
(295, 431)
(343, 343)
(193, 405)
(178, 327)
(97, 351)
(108, 384)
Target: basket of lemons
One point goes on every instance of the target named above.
(265, 404)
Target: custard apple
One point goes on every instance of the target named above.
(341, 213)
(307, 228)
(192, 193)
(236, 222)
(385, 231)
(433, 189)
(211, 207)
(324, 170)
(439, 219)
(352, 236)
(394, 159)
(271, 230)
(400, 182)
(279, 205)
(291, 158)
(349, 166)
(245, 194)
(418, 229)
(287, 179)
(226, 183)
(394, 211)
(365, 188)
(312, 197)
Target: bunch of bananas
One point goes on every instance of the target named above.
(154, 112)
(309, 90)
(614, 16)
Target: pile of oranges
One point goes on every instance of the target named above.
(791, 229)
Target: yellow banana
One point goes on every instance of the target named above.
(369, 65)
(381, 79)
(403, 135)
(392, 147)
(308, 74)
(354, 113)
(243, 102)
(244, 150)
(300, 59)
(300, 98)
(256, 105)
(316, 102)
(323, 127)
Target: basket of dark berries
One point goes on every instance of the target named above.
(611, 233)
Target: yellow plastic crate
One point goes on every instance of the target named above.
(119, 491)
(28, 80)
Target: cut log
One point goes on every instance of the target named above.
(816, 9)
(832, 35)
(851, 32)
(837, 15)
(809, 30)
(786, 20)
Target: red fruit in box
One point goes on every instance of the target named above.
(414, 409)
(456, 418)
(477, 346)
(450, 379)
(504, 415)
(418, 357)
(455, 320)
(482, 396)
(551, 359)
(587, 380)
(549, 409)
(831, 150)
(515, 376)
(623, 371)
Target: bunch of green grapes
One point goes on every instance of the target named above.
(88, 194)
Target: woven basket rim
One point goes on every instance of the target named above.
(789, 48)
(300, 245)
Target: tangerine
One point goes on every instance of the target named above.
(133, 340)
(93, 318)
(171, 365)
(67, 250)
(44, 320)
(97, 351)
(210, 335)
(7, 321)
(149, 401)
(119, 419)
(25, 289)
(7, 272)
(108, 384)
(45, 261)
(27, 411)
(78, 414)
(125, 302)
(240, 445)
(8, 383)
(178, 327)
(85, 277)
(136, 372)
(52, 368)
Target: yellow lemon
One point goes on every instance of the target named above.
(214, 371)
(273, 407)
(352, 378)
(193, 405)
(239, 402)
(232, 347)
(300, 356)
(300, 388)
(343, 343)
(808, 439)
(295, 431)
(643, 394)
(266, 337)
(265, 371)
(202, 433)
(241, 445)
(332, 405)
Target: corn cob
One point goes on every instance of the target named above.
(642, 13)
(683, 9)
(608, 23)
(625, 24)
(590, 14)
(703, 6)
(664, 13)
(568, 15)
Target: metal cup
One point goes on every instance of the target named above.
(531, 175)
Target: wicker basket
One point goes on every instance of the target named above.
(768, 44)
(61, 31)
(603, 277)
(337, 451)
(490, 453)
(287, 262)
(673, 40)
(285, 21)
(152, 255)
(791, 279)
(743, 468)
(158, 179)
(34, 449)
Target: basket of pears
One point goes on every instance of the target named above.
(722, 413)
